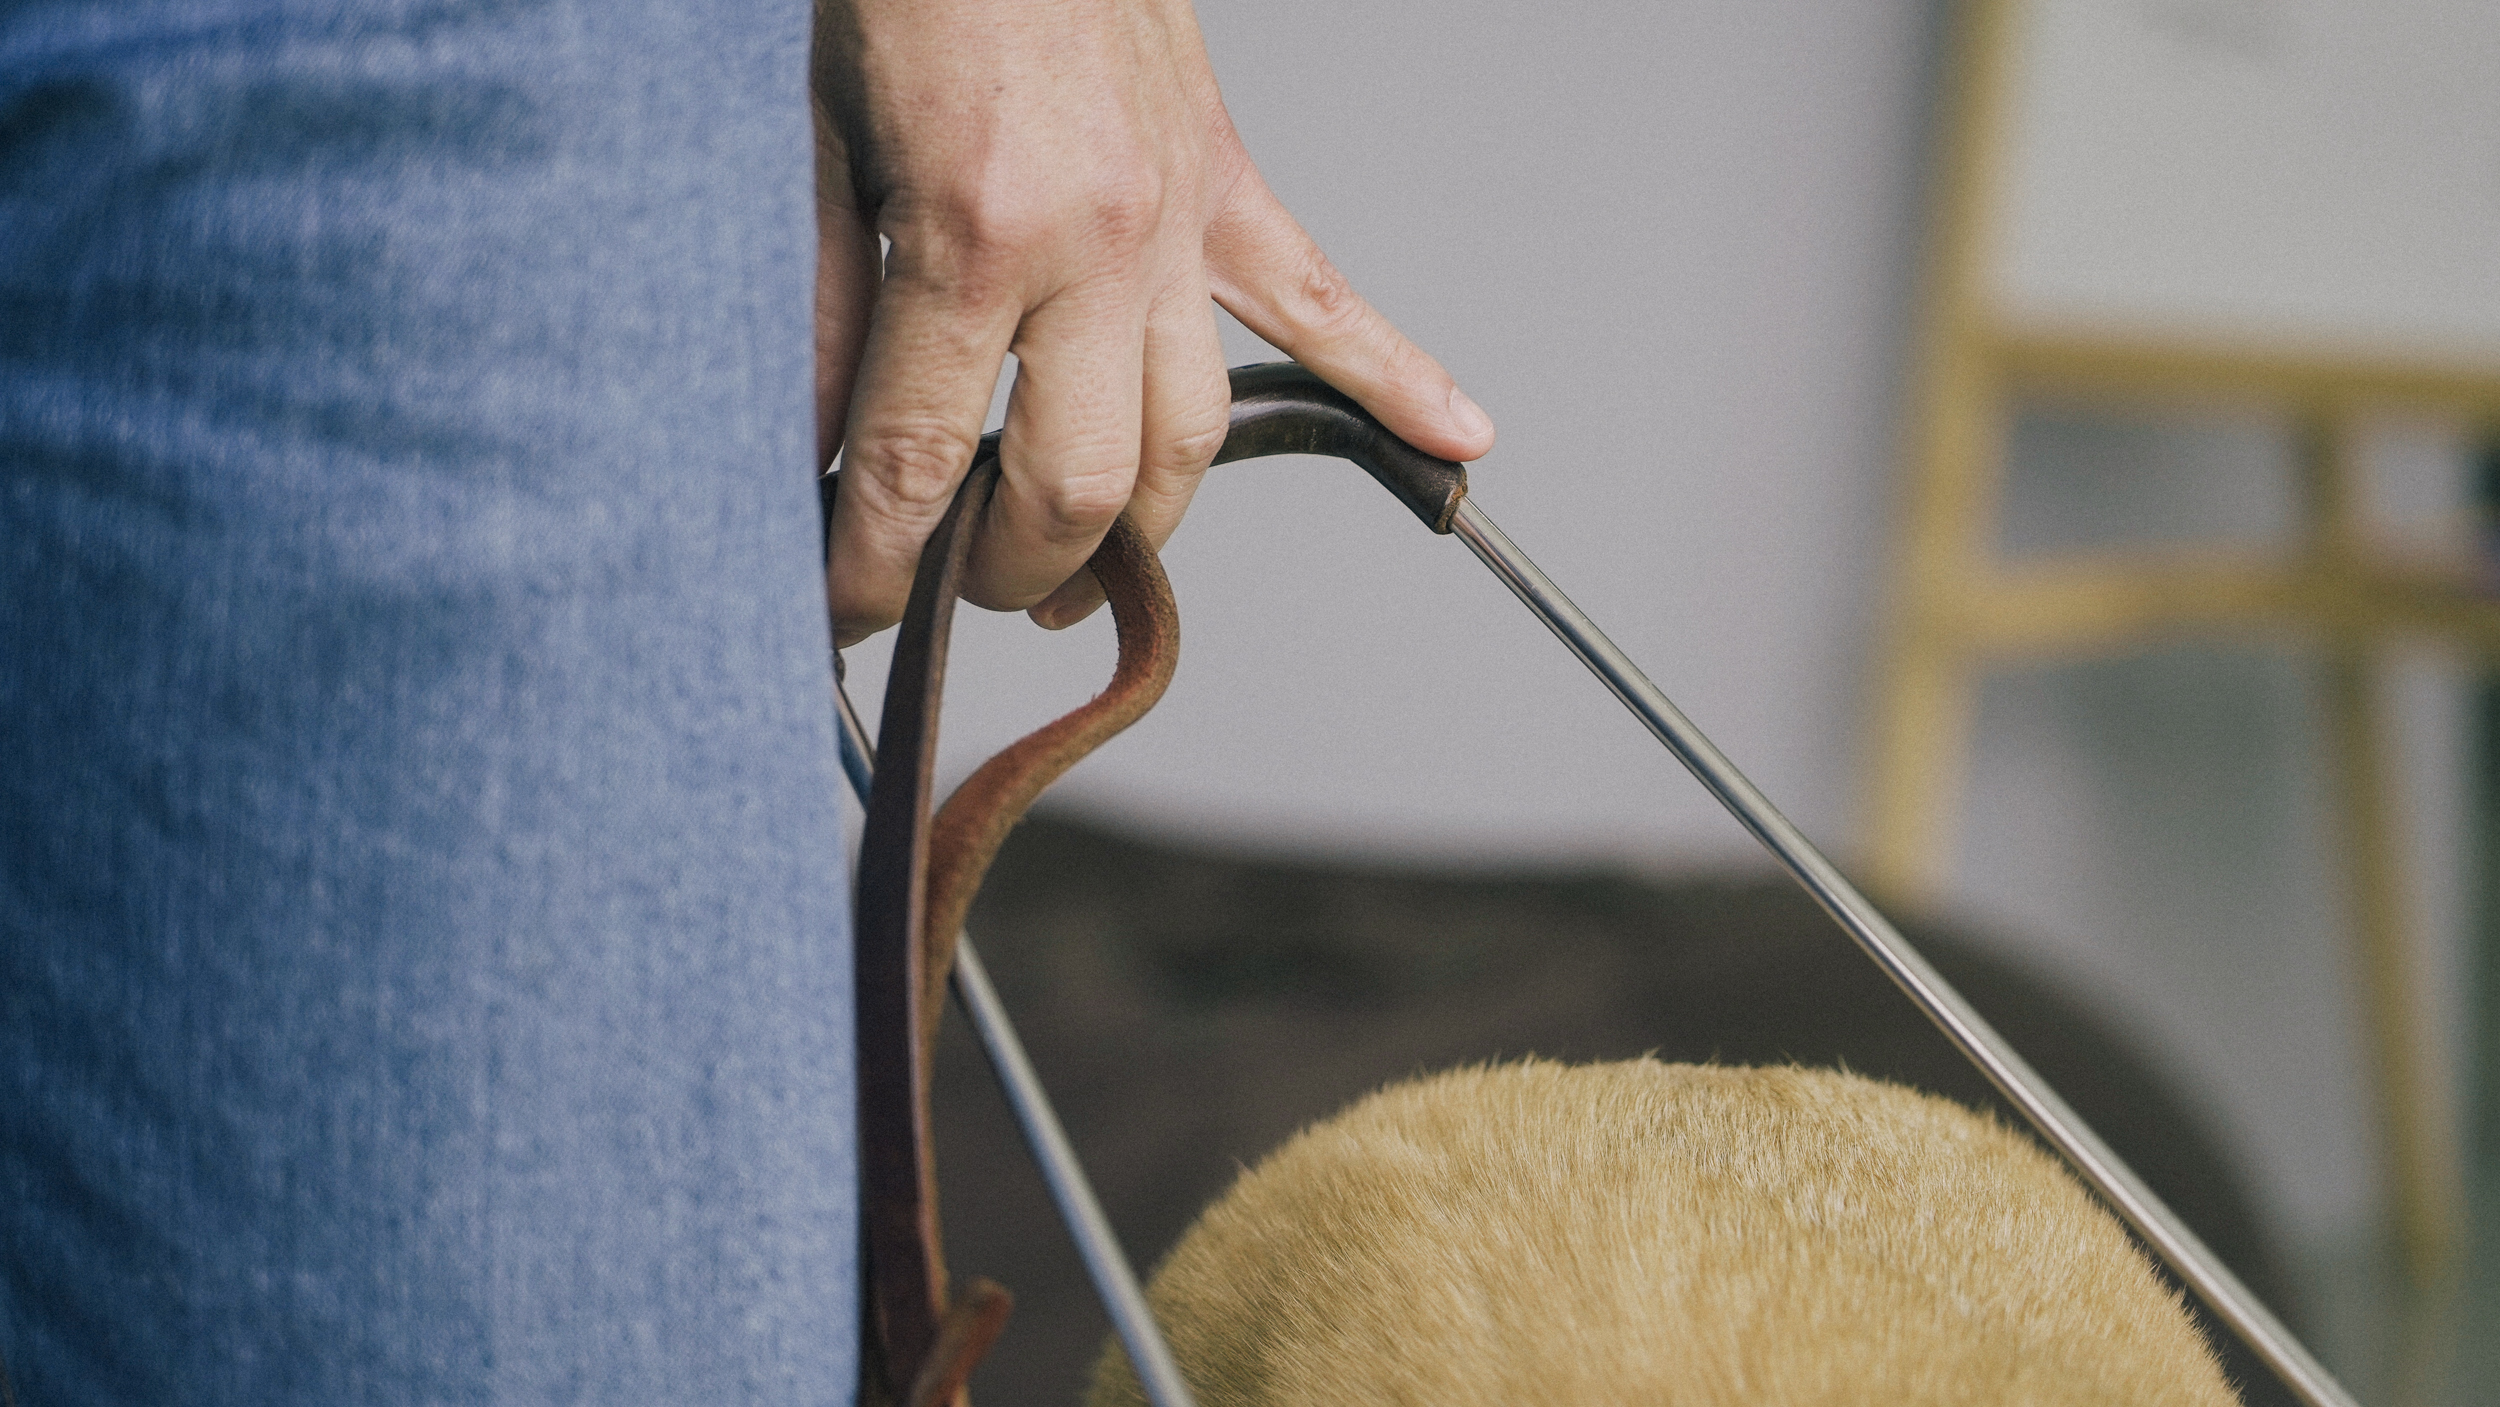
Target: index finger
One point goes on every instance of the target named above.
(1267, 271)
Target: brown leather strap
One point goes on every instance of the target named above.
(975, 820)
(971, 1325)
(916, 880)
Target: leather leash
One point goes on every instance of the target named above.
(917, 876)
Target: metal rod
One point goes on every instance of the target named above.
(1115, 1281)
(2186, 1255)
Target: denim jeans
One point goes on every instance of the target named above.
(424, 948)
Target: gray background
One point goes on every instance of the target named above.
(1671, 248)
(2150, 142)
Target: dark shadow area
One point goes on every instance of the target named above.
(1189, 1009)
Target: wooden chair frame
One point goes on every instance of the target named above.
(1955, 611)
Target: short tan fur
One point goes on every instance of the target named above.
(1677, 1235)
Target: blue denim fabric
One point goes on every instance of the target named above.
(424, 969)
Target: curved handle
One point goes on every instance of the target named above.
(1281, 408)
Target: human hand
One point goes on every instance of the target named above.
(1058, 179)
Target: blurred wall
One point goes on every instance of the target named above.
(1670, 247)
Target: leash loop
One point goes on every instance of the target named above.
(917, 876)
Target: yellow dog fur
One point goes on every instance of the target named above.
(1671, 1236)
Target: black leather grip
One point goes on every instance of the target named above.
(1280, 408)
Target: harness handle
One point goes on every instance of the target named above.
(1281, 408)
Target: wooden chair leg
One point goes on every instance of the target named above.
(2421, 1151)
(1924, 692)
(1922, 738)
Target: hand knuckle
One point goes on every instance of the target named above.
(1001, 233)
(1125, 208)
(1193, 446)
(915, 464)
(988, 223)
(1080, 504)
(1333, 307)
(966, 234)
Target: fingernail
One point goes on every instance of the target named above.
(1467, 416)
(1061, 616)
(1066, 606)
